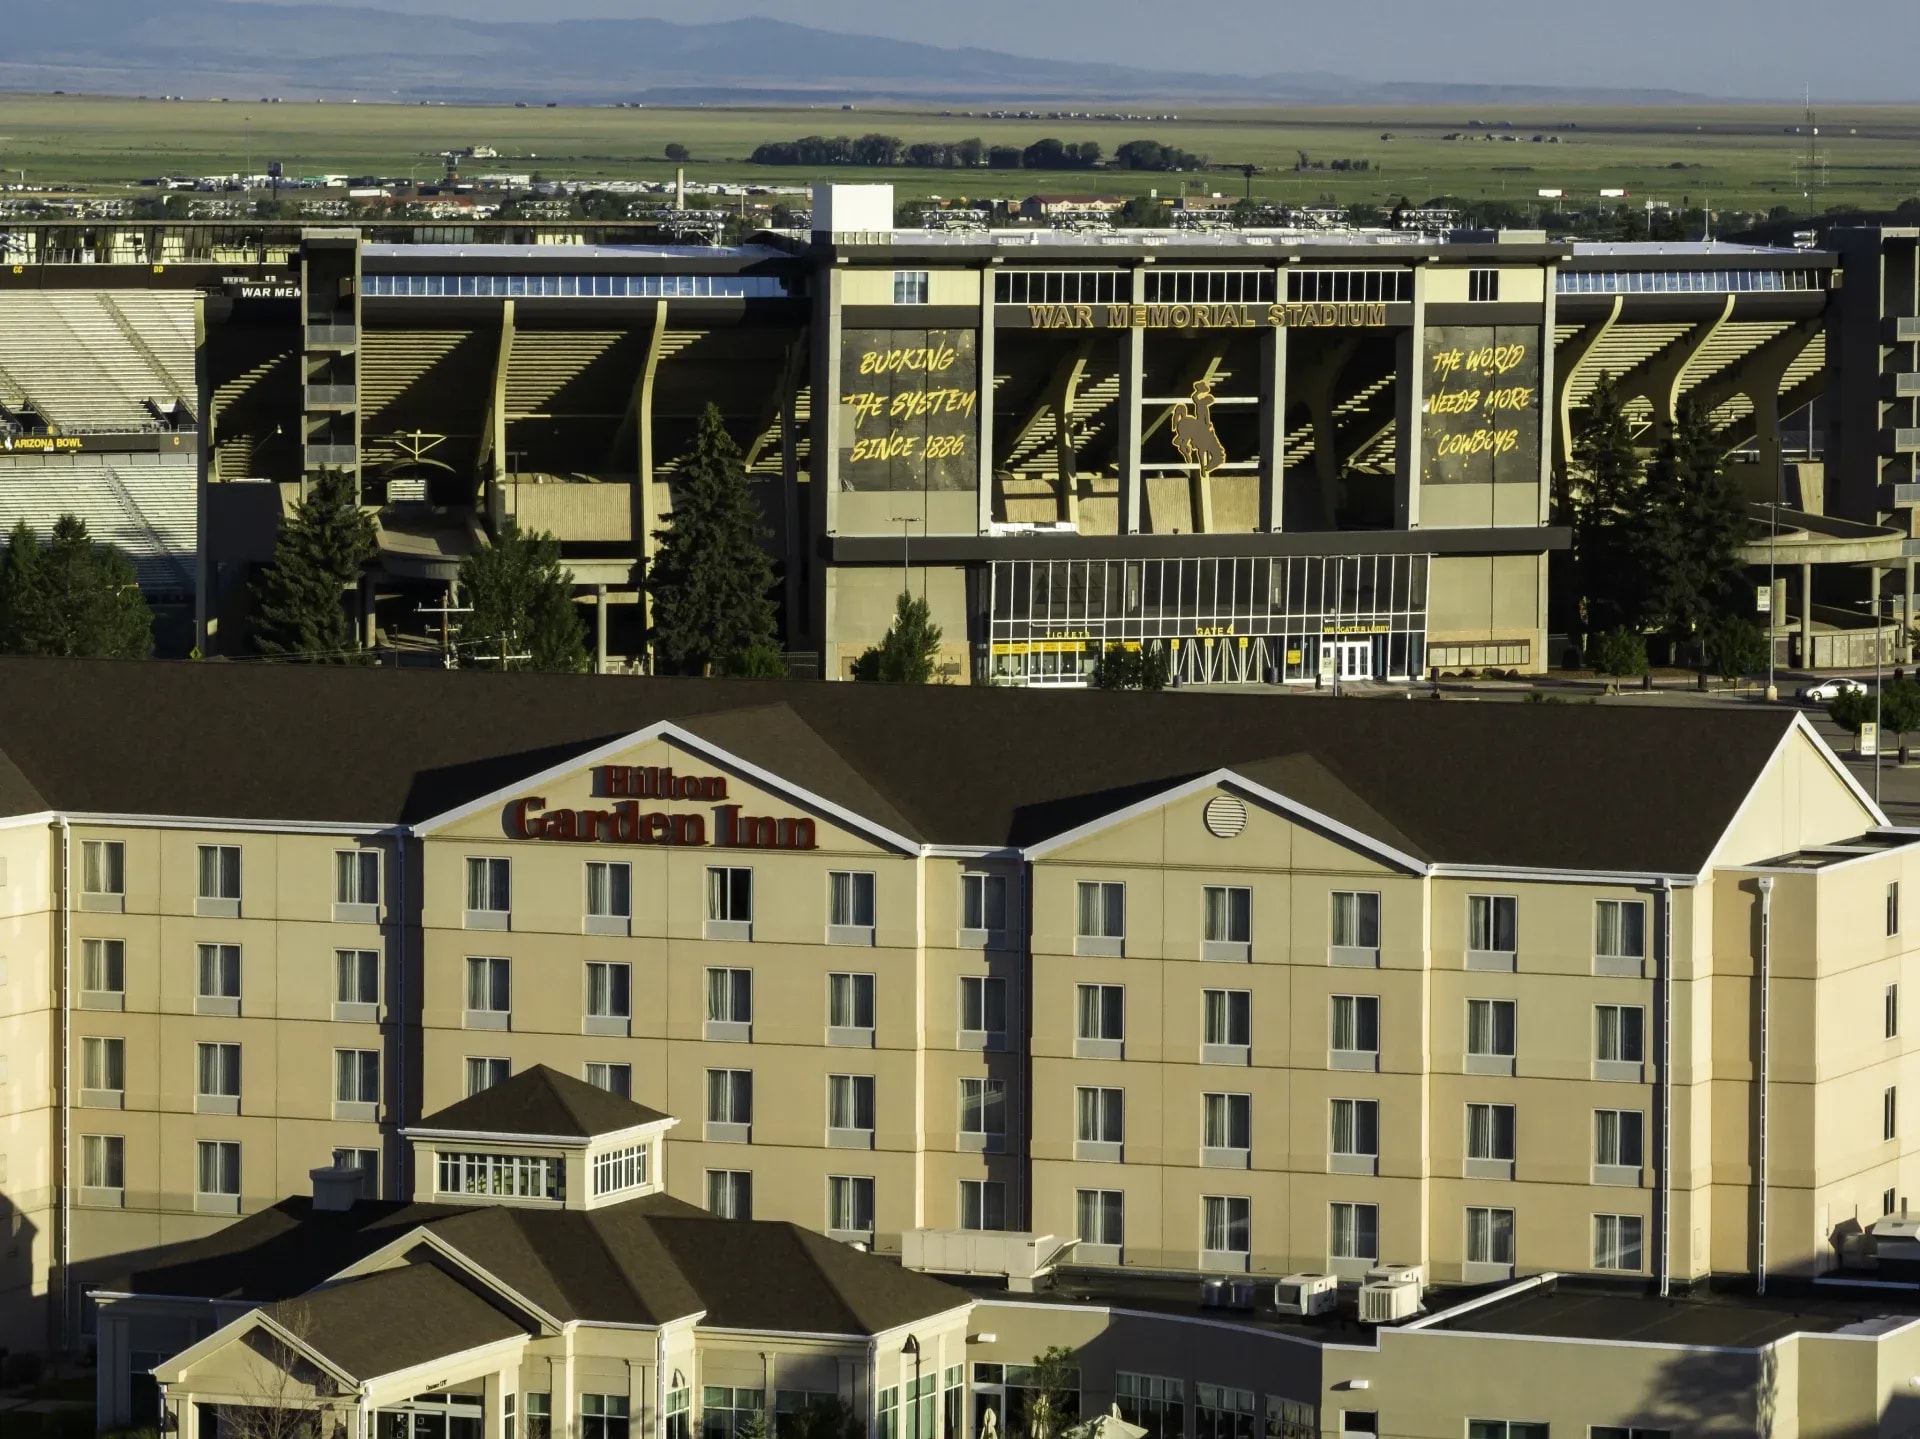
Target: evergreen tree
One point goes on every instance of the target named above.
(73, 597)
(1603, 494)
(710, 580)
(1687, 535)
(905, 655)
(300, 609)
(523, 605)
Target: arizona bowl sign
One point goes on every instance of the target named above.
(626, 822)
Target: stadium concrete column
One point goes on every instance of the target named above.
(824, 416)
(1411, 357)
(202, 552)
(1273, 421)
(1132, 379)
(983, 385)
(643, 427)
(599, 629)
(1806, 616)
(1548, 328)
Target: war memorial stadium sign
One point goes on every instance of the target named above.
(1288, 316)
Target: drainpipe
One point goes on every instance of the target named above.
(1760, 1080)
(404, 1187)
(65, 1162)
(1666, 1086)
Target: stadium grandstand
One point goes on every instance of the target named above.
(1270, 456)
(99, 406)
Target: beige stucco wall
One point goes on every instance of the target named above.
(860, 609)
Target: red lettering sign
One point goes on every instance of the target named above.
(626, 823)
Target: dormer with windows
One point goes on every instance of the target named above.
(541, 1140)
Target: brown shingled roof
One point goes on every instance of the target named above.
(542, 1101)
(1485, 784)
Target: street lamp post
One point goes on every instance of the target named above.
(912, 1346)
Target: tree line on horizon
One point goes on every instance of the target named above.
(884, 151)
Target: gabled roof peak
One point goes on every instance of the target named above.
(541, 1103)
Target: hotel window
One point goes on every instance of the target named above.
(1221, 1413)
(614, 1078)
(1618, 1145)
(609, 897)
(849, 907)
(983, 1115)
(1360, 1423)
(1493, 931)
(1355, 1138)
(729, 903)
(1491, 1035)
(1619, 935)
(1483, 285)
(1355, 1040)
(1354, 1231)
(1226, 1128)
(219, 892)
(725, 1410)
(1890, 1005)
(1101, 1027)
(910, 287)
(217, 1078)
(507, 1176)
(1226, 1026)
(1490, 1141)
(367, 1161)
(730, 1193)
(850, 1203)
(603, 1416)
(356, 984)
(1286, 1419)
(219, 1175)
(730, 1005)
(1490, 1236)
(1893, 908)
(1102, 918)
(850, 1111)
(103, 868)
(103, 1161)
(356, 1083)
(983, 1205)
(1504, 1429)
(356, 883)
(1355, 929)
(1616, 1241)
(983, 909)
(1102, 1217)
(1619, 1041)
(1621, 1431)
(489, 993)
(1889, 1113)
(485, 1073)
(1229, 923)
(103, 1066)
(609, 998)
(679, 1402)
(983, 1012)
(1157, 1405)
(539, 1408)
(1099, 1123)
(103, 967)
(850, 1010)
(1225, 1224)
(729, 1105)
(219, 979)
(489, 893)
(618, 1169)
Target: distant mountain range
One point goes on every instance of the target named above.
(218, 47)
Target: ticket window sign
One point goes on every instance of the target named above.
(1763, 600)
(1869, 740)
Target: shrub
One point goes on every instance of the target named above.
(1618, 652)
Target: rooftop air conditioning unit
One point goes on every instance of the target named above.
(1388, 1301)
(1242, 1294)
(1397, 1274)
(1214, 1294)
(1306, 1294)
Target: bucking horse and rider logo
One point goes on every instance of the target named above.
(1193, 433)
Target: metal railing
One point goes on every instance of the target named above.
(1906, 442)
(320, 457)
(332, 337)
(329, 396)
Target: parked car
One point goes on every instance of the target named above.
(1828, 690)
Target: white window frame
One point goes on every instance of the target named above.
(1483, 1052)
(1355, 1055)
(983, 1115)
(1226, 1232)
(1226, 1130)
(225, 966)
(351, 1001)
(1613, 935)
(1611, 1244)
(216, 1077)
(609, 897)
(1226, 932)
(221, 1159)
(732, 1181)
(617, 1076)
(852, 996)
(977, 902)
(729, 902)
(609, 986)
(1099, 1021)
(498, 973)
(354, 1097)
(729, 1002)
(1101, 1109)
(490, 882)
(356, 886)
(850, 906)
(850, 1197)
(1100, 918)
(975, 1001)
(1345, 1220)
(852, 1098)
(218, 870)
(983, 1205)
(1353, 928)
(1351, 1148)
(729, 1104)
(498, 1070)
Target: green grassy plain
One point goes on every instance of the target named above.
(1740, 158)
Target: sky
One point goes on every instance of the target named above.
(1843, 50)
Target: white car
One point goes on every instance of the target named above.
(1832, 689)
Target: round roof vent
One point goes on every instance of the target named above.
(1225, 816)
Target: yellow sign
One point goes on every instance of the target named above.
(1290, 316)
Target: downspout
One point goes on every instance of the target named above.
(404, 1188)
(1760, 1080)
(1026, 1048)
(660, 1383)
(1666, 1085)
(66, 1076)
